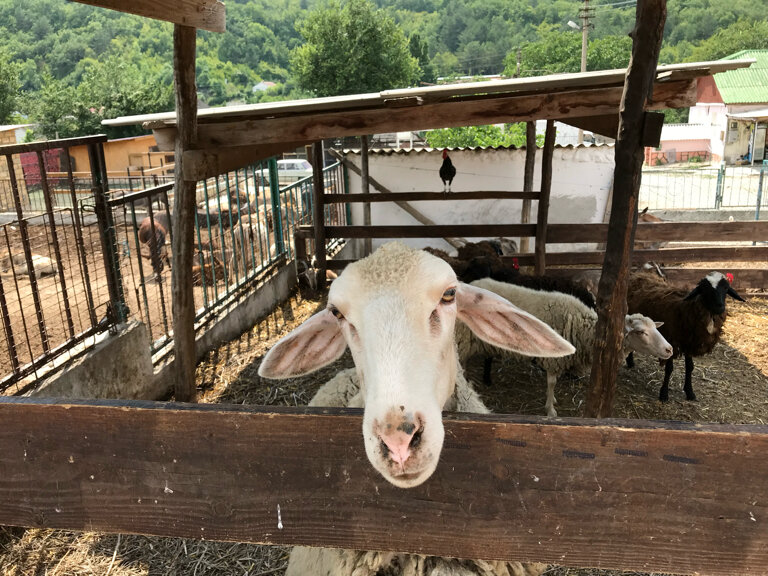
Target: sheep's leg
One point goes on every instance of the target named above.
(630, 360)
(664, 392)
(487, 370)
(688, 386)
(550, 405)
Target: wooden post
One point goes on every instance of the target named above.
(183, 223)
(546, 187)
(319, 211)
(367, 244)
(530, 162)
(612, 290)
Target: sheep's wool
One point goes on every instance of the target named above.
(343, 390)
(391, 260)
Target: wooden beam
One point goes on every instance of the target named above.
(472, 112)
(744, 278)
(606, 125)
(665, 255)
(365, 189)
(318, 212)
(204, 14)
(567, 233)
(645, 496)
(416, 214)
(183, 217)
(530, 163)
(202, 164)
(546, 188)
(429, 196)
(612, 290)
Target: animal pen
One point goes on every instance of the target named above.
(638, 495)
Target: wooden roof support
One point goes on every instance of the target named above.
(204, 14)
(318, 211)
(546, 188)
(530, 163)
(468, 112)
(183, 225)
(612, 291)
(202, 164)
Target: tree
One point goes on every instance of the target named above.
(9, 87)
(350, 49)
(555, 52)
(484, 136)
(420, 50)
(741, 35)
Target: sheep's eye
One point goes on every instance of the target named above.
(335, 312)
(449, 295)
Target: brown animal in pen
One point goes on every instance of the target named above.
(209, 269)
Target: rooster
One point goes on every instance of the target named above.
(447, 172)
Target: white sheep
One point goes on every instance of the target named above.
(574, 321)
(344, 390)
(396, 310)
(42, 265)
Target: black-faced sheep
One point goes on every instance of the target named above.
(693, 321)
(574, 321)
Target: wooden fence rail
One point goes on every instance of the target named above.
(640, 495)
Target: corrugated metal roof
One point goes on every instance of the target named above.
(745, 85)
(670, 132)
(440, 93)
(478, 149)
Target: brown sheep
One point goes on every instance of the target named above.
(157, 251)
(649, 245)
(212, 273)
(693, 321)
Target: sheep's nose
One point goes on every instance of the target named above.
(668, 351)
(399, 435)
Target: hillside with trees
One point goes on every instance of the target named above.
(66, 66)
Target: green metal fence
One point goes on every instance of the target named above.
(244, 225)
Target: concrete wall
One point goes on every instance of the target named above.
(231, 321)
(120, 366)
(581, 183)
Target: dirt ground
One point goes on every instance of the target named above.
(731, 384)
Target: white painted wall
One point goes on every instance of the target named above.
(581, 182)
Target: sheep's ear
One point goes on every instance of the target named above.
(316, 343)
(732, 293)
(496, 321)
(693, 293)
(659, 324)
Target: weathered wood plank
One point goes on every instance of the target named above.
(650, 496)
(566, 233)
(318, 212)
(183, 217)
(665, 255)
(202, 164)
(744, 278)
(429, 196)
(461, 112)
(530, 163)
(204, 14)
(542, 216)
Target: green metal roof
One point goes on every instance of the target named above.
(745, 85)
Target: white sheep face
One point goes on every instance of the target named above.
(641, 335)
(396, 310)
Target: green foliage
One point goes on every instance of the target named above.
(675, 115)
(352, 48)
(419, 50)
(9, 87)
(741, 35)
(484, 136)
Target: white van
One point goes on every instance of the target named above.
(293, 169)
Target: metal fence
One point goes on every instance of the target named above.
(244, 224)
(706, 187)
(78, 255)
(54, 286)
